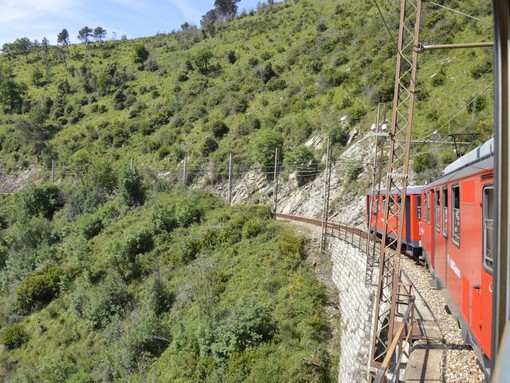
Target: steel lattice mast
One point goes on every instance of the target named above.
(397, 177)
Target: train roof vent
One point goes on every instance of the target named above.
(483, 151)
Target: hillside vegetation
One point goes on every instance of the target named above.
(113, 273)
(266, 79)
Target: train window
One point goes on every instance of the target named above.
(418, 206)
(445, 211)
(429, 203)
(437, 210)
(456, 215)
(488, 228)
(395, 203)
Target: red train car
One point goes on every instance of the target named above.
(411, 241)
(457, 242)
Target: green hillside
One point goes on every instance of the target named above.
(113, 274)
(269, 78)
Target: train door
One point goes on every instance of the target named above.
(408, 227)
(486, 287)
(439, 240)
(430, 220)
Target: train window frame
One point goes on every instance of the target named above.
(444, 199)
(455, 195)
(437, 208)
(430, 198)
(418, 206)
(487, 208)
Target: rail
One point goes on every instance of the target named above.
(353, 235)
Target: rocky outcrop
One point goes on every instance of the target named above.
(12, 183)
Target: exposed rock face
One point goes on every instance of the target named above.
(12, 183)
(346, 202)
(346, 199)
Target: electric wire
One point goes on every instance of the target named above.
(459, 12)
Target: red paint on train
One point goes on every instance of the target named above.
(455, 235)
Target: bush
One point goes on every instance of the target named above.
(37, 290)
(131, 188)
(248, 324)
(14, 336)
(291, 246)
(107, 302)
(219, 129)
(301, 160)
(44, 200)
(208, 146)
(264, 146)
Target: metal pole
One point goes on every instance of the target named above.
(132, 165)
(501, 297)
(275, 191)
(325, 206)
(230, 179)
(52, 171)
(422, 47)
(184, 174)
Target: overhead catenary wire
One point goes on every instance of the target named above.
(459, 12)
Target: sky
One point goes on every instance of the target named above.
(36, 19)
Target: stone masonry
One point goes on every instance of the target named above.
(356, 307)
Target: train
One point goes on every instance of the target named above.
(449, 224)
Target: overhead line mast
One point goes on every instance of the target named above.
(396, 178)
(408, 48)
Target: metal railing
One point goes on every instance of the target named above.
(397, 348)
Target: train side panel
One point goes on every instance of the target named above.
(456, 240)
(427, 232)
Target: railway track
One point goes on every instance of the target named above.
(353, 235)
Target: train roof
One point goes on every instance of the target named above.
(482, 152)
(476, 167)
(411, 189)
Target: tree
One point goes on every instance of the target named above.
(131, 188)
(227, 9)
(84, 34)
(63, 38)
(263, 148)
(208, 21)
(22, 46)
(202, 58)
(11, 95)
(45, 44)
(99, 33)
(301, 160)
(140, 54)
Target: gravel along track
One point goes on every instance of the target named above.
(459, 361)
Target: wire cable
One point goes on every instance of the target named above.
(459, 12)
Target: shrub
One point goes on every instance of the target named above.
(44, 200)
(263, 148)
(14, 336)
(301, 160)
(163, 218)
(37, 290)
(219, 129)
(208, 146)
(140, 54)
(356, 112)
(131, 188)
(354, 171)
(188, 212)
(291, 246)
(107, 302)
(248, 324)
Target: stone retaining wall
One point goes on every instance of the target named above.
(356, 307)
